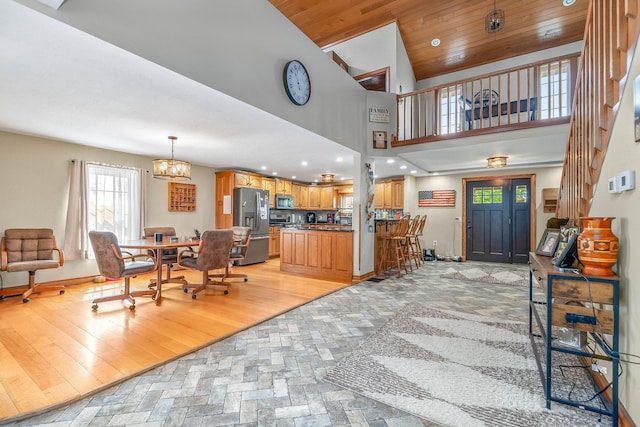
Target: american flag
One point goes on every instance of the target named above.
(437, 198)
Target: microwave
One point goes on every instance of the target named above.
(284, 202)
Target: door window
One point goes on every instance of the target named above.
(487, 195)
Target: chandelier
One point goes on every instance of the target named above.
(494, 21)
(171, 169)
(497, 162)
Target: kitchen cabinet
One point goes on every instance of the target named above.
(245, 179)
(269, 184)
(327, 199)
(323, 254)
(397, 194)
(283, 186)
(378, 195)
(225, 183)
(389, 194)
(300, 194)
(314, 197)
(274, 241)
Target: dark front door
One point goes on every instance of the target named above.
(498, 220)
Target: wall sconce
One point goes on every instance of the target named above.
(497, 162)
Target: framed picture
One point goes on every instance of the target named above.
(565, 236)
(380, 139)
(549, 242)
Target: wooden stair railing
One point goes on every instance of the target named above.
(609, 42)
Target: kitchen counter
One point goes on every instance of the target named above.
(324, 253)
(320, 227)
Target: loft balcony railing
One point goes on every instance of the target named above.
(536, 94)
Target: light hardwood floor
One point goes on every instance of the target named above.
(55, 349)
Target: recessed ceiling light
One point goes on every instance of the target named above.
(414, 171)
(339, 159)
(403, 167)
(342, 179)
(293, 177)
(435, 174)
(304, 163)
(568, 2)
(274, 173)
(264, 168)
(390, 161)
(435, 42)
(315, 180)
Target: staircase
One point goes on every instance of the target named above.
(609, 43)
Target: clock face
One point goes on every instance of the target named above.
(296, 82)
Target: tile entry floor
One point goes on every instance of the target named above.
(272, 374)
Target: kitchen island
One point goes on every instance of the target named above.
(321, 252)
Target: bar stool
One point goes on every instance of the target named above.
(412, 249)
(394, 248)
(419, 231)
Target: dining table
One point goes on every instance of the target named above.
(158, 248)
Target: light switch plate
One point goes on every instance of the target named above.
(613, 186)
(627, 180)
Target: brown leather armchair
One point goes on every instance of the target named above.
(31, 249)
(169, 256)
(111, 264)
(212, 254)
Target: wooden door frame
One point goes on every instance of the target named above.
(532, 206)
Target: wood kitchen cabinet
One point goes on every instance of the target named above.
(327, 199)
(225, 183)
(321, 254)
(397, 194)
(274, 241)
(378, 195)
(314, 197)
(269, 184)
(283, 186)
(300, 194)
(389, 194)
(245, 179)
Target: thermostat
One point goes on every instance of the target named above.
(627, 180)
(613, 185)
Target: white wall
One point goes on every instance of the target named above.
(441, 224)
(215, 43)
(624, 153)
(35, 173)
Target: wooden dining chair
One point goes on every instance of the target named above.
(213, 253)
(113, 263)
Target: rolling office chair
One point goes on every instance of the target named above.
(169, 256)
(31, 249)
(241, 238)
(213, 253)
(111, 264)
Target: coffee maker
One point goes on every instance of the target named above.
(311, 217)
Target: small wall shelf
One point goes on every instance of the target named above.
(550, 199)
(182, 197)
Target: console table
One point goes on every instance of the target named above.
(584, 303)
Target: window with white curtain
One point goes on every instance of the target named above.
(113, 200)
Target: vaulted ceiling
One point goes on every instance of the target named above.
(530, 25)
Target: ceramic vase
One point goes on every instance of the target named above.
(597, 246)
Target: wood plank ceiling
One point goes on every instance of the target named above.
(530, 25)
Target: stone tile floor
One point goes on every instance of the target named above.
(272, 374)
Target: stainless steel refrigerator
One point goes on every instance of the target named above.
(251, 209)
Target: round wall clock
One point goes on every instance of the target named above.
(297, 83)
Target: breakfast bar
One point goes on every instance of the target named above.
(319, 252)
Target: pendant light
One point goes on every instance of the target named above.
(494, 21)
(171, 169)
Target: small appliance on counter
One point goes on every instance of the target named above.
(311, 217)
(331, 218)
